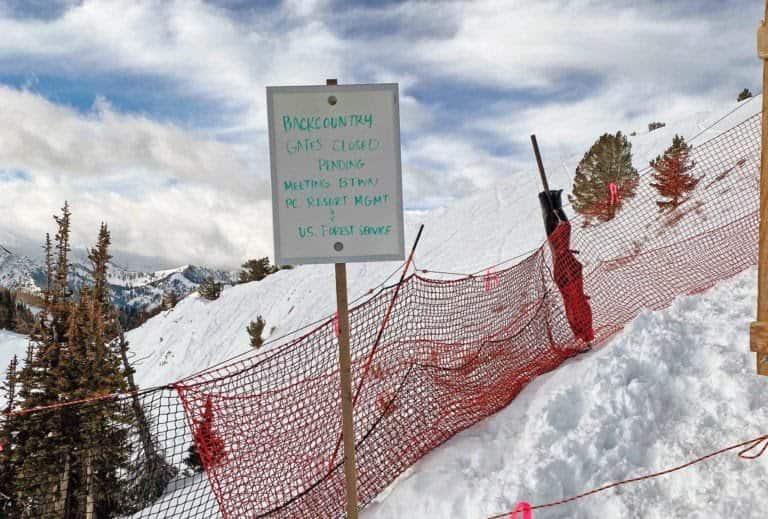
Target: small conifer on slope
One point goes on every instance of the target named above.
(257, 269)
(672, 174)
(604, 179)
(210, 289)
(744, 95)
(255, 330)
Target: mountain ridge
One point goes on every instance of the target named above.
(135, 290)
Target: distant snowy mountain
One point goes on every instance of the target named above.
(144, 290)
(140, 291)
(20, 272)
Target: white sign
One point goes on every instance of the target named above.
(336, 174)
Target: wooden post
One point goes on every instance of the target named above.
(539, 162)
(345, 370)
(758, 340)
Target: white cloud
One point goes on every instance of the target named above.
(190, 224)
(41, 137)
(566, 70)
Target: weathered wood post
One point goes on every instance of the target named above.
(345, 369)
(759, 329)
(337, 198)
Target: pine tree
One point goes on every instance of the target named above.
(744, 95)
(210, 289)
(7, 306)
(192, 461)
(103, 432)
(7, 434)
(170, 299)
(257, 269)
(608, 161)
(69, 460)
(14, 314)
(42, 454)
(254, 331)
(672, 174)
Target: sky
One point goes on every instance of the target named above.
(150, 115)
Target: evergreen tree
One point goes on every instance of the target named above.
(69, 460)
(672, 174)
(7, 307)
(170, 299)
(210, 288)
(7, 434)
(14, 314)
(40, 454)
(744, 95)
(257, 269)
(131, 317)
(192, 461)
(254, 331)
(607, 164)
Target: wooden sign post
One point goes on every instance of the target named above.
(345, 370)
(759, 329)
(337, 198)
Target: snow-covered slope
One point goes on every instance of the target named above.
(19, 272)
(673, 386)
(473, 233)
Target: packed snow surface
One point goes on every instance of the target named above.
(673, 386)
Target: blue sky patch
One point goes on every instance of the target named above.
(132, 94)
(39, 9)
(14, 175)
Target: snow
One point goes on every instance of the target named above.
(481, 230)
(18, 272)
(118, 276)
(673, 386)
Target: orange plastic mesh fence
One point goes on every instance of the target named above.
(266, 426)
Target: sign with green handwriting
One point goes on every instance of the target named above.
(336, 173)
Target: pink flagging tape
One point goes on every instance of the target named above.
(613, 193)
(523, 507)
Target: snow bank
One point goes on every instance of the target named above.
(673, 386)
